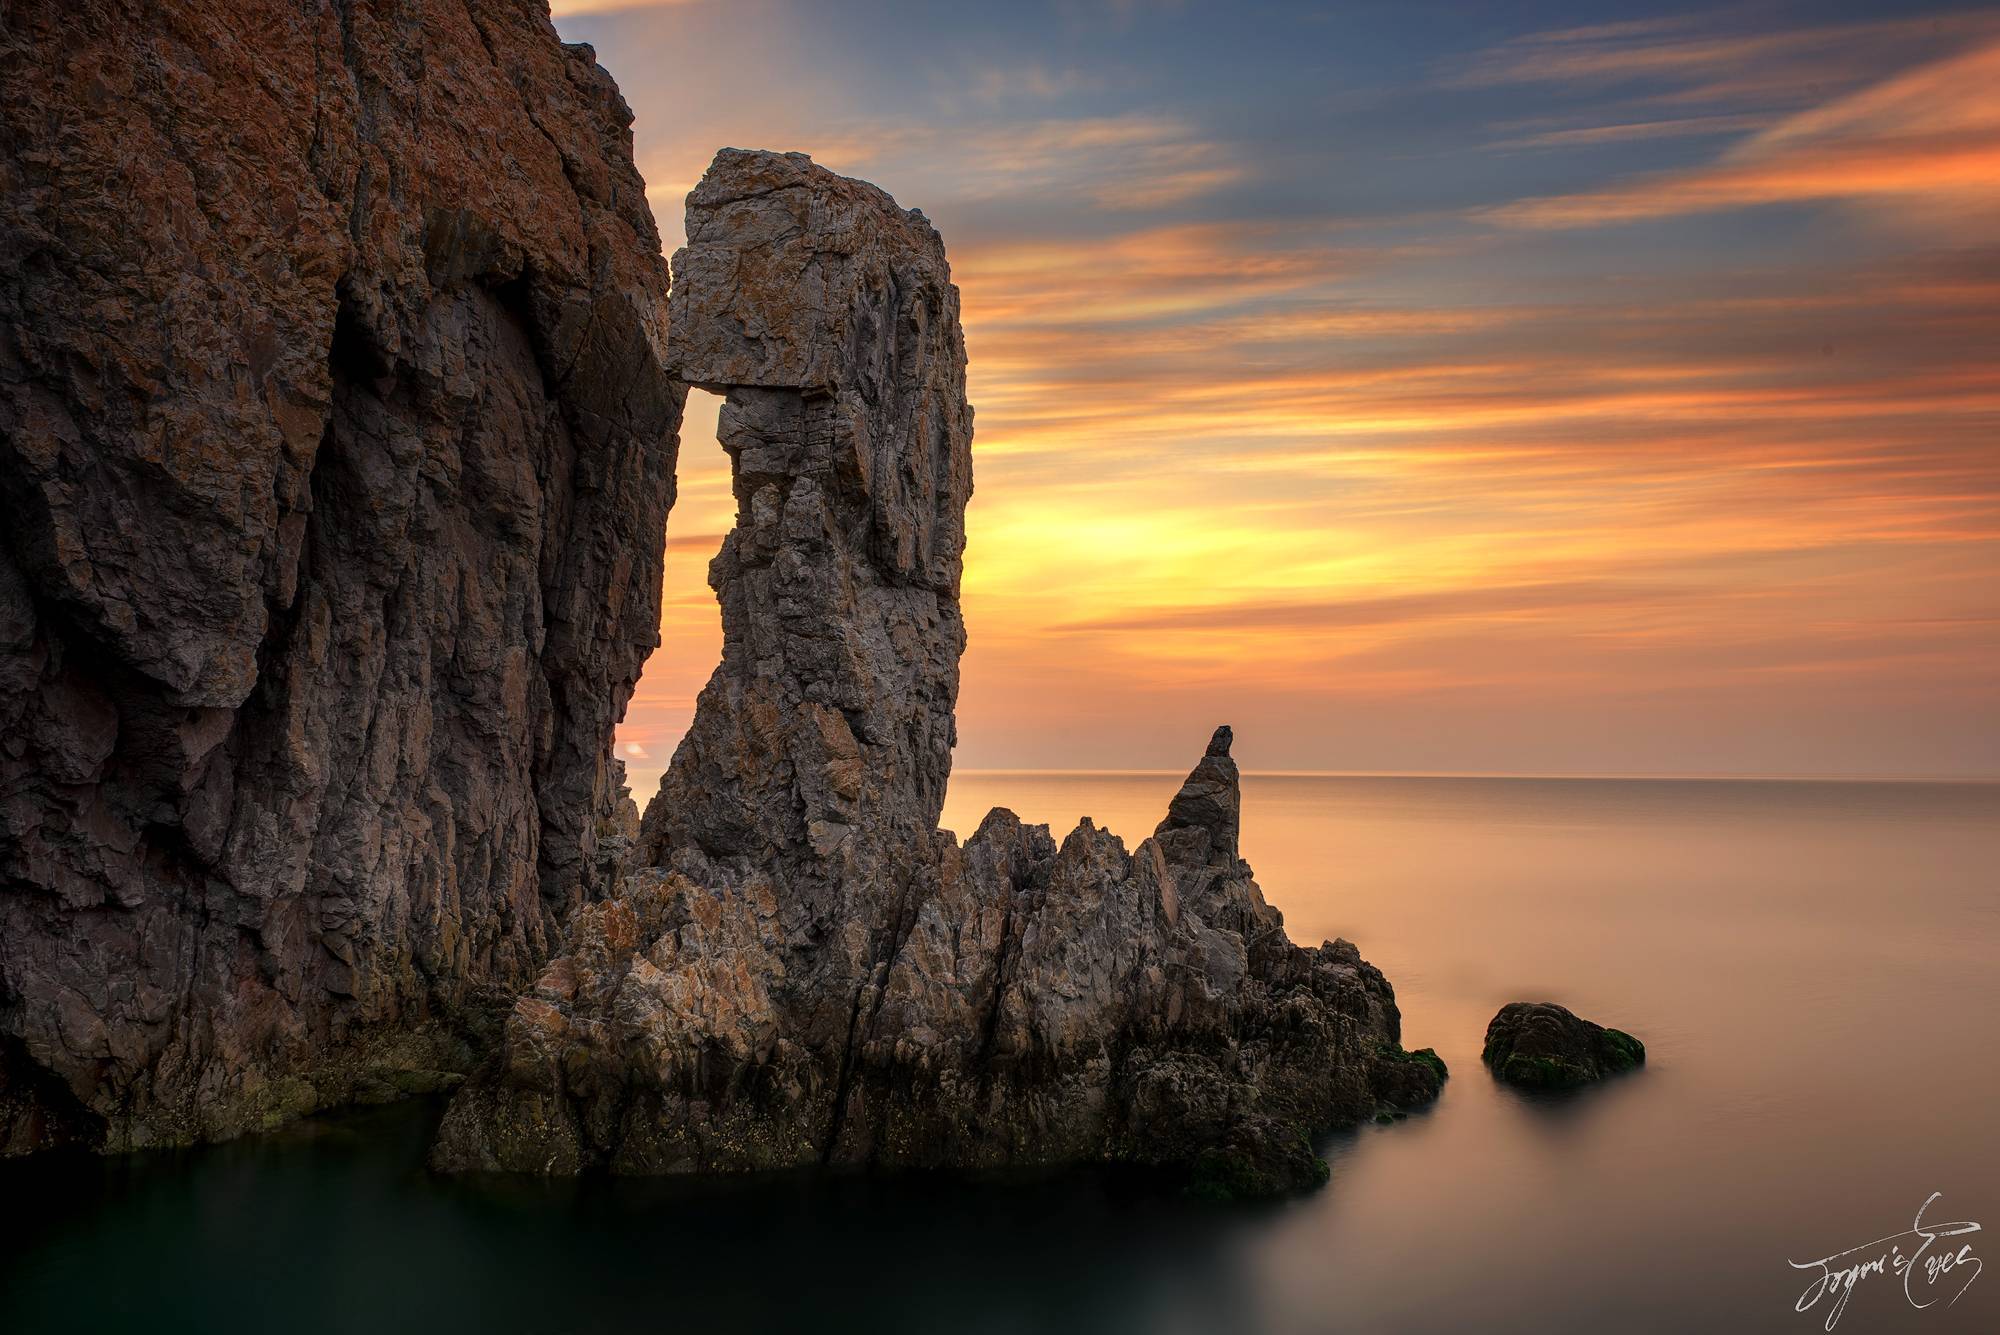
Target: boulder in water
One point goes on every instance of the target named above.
(1540, 1045)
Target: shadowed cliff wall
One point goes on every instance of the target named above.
(335, 457)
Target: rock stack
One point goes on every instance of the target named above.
(812, 972)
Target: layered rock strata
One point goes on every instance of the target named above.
(811, 972)
(335, 452)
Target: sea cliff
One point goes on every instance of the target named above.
(339, 392)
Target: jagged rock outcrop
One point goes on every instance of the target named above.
(335, 452)
(811, 971)
(1039, 1005)
(1540, 1045)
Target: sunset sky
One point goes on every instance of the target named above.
(1552, 388)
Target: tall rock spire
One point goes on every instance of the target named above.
(820, 747)
(1203, 819)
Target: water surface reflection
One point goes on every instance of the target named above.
(1812, 967)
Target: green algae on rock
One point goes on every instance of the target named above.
(1540, 1045)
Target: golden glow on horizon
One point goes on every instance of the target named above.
(1221, 473)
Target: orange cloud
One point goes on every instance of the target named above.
(1632, 131)
(1692, 62)
(1321, 503)
(1925, 144)
(569, 9)
(1392, 483)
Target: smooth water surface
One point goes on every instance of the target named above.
(1812, 966)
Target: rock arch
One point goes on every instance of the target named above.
(807, 970)
(826, 317)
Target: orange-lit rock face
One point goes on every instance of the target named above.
(336, 451)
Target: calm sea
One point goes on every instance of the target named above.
(1815, 969)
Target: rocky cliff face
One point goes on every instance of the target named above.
(812, 972)
(337, 420)
(335, 453)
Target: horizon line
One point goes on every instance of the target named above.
(1087, 772)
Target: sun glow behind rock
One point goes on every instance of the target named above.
(1601, 465)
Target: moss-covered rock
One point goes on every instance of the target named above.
(1258, 1161)
(1622, 1052)
(1540, 1045)
(1405, 1081)
(1429, 1057)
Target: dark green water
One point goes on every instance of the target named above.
(337, 1227)
(1815, 969)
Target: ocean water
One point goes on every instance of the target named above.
(1814, 967)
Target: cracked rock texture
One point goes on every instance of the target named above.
(810, 971)
(819, 750)
(335, 452)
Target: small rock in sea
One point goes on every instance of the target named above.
(1540, 1045)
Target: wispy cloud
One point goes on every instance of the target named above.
(570, 9)
(994, 87)
(1131, 164)
(1625, 132)
(1697, 58)
(1661, 486)
(1456, 605)
(1306, 422)
(1924, 145)
(1126, 162)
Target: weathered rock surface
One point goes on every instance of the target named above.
(335, 452)
(820, 747)
(812, 972)
(1037, 1004)
(336, 441)
(1540, 1045)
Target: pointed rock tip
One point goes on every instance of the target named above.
(1218, 745)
